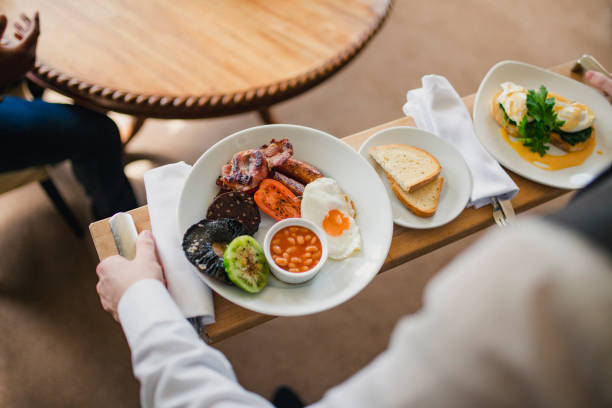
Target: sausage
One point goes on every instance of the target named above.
(294, 186)
(302, 172)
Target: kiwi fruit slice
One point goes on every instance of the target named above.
(245, 264)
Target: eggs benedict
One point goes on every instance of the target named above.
(568, 125)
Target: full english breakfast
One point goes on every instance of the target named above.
(269, 182)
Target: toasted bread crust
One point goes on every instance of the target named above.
(400, 194)
(424, 182)
(413, 187)
(556, 140)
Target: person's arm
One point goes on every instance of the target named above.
(174, 366)
(18, 55)
(520, 319)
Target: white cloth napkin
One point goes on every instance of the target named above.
(437, 108)
(163, 186)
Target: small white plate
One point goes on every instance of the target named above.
(457, 185)
(337, 281)
(531, 77)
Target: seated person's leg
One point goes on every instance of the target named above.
(37, 132)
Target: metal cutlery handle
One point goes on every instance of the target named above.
(588, 63)
(503, 213)
(508, 210)
(199, 325)
(124, 233)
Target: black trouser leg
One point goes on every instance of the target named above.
(35, 133)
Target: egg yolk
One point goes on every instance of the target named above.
(335, 223)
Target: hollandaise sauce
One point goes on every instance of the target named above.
(576, 116)
(550, 161)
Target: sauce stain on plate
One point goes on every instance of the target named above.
(549, 161)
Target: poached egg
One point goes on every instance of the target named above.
(514, 100)
(577, 116)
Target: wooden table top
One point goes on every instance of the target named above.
(195, 58)
(407, 243)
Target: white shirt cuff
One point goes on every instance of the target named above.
(143, 305)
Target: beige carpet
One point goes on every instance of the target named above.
(59, 349)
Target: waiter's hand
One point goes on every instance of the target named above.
(18, 55)
(116, 274)
(601, 82)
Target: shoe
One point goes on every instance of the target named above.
(285, 397)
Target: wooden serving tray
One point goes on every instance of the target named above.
(407, 243)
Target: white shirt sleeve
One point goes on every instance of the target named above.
(174, 366)
(520, 319)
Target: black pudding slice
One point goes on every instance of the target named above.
(205, 241)
(236, 205)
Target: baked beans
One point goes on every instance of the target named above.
(296, 249)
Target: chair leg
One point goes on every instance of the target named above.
(36, 90)
(61, 207)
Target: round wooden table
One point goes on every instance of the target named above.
(195, 58)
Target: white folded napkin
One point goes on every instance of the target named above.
(437, 108)
(163, 186)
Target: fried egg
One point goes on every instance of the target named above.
(325, 204)
(576, 116)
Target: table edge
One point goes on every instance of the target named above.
(205, 105)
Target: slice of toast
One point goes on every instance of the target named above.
(409, 166)
(423, 202)
(555, 139)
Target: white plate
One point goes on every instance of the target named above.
(337, 281)
(457, 185)
(531, 77)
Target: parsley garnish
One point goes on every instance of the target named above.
(536, 134)
(506, 117)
